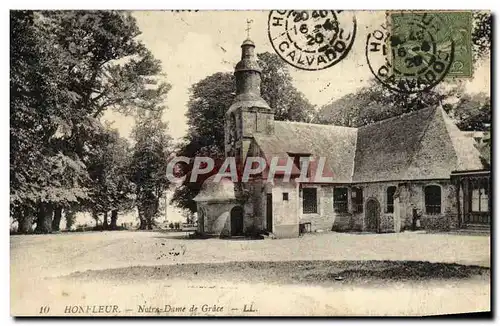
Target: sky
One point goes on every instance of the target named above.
(194, 45)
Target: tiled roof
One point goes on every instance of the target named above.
(424, 144)
(336, 144)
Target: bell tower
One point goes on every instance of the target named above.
(249, 114)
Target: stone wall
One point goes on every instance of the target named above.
(285, 217)
(411, 195)
(414, 193)
(288, 214)
(326, 219)
(378, 192)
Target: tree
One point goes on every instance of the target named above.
(481, 34)
(209, 100)
(70, 216)
(374, 103)
(110, 67)
(112, 189)
(472, 112)
(484, 148)
(148, 168)
(40, 173)
(189, 216)
(67, 69)
(277, 89)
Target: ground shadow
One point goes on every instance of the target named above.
(375, 272)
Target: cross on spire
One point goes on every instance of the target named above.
(249, 21)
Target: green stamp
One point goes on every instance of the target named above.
(426, 40)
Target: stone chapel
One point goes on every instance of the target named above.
(388, 176)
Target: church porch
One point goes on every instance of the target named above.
(473, 190)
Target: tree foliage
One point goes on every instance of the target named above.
(472, 112)
(148, 168)
(40, 172)
(277, 89)
(67, 69)
(375, 102)
(481, 34)
(112, 189)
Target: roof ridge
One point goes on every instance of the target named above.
(313, 124)
(404, 115)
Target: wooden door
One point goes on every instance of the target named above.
(237, 221)
(269, 212)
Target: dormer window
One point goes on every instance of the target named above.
(301, 157)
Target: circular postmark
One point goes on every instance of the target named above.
(312, 39)
(409, 58)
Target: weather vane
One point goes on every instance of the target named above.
(249, 21)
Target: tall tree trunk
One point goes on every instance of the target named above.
(44, 218)
(142, 218)
(150, 223)
(149, 215)
(70, 217)
(95, 215)
(25, 217)
(56, 222)
(152, 211)
(105, 221)
(114, 217)
(25, 224)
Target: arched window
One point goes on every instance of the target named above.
(433, 200)
(390, 199)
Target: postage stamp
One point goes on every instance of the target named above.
(412, 53)
(443, 27)
(312, 39)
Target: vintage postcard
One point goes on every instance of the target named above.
(250, 163)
